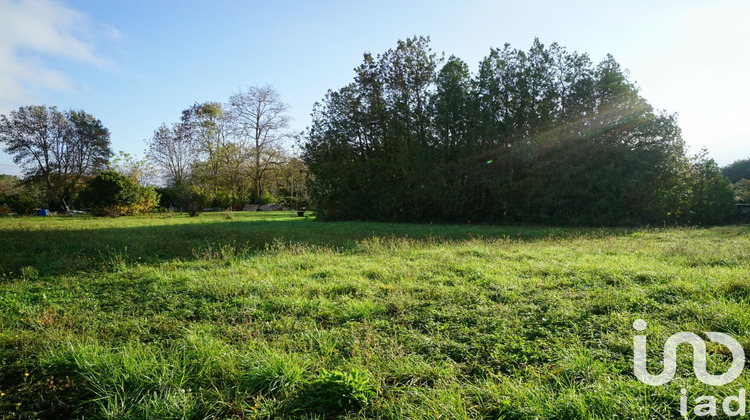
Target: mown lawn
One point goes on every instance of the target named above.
(266, 316)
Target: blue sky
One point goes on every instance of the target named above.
(136, 64)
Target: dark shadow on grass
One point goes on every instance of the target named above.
(31, 253)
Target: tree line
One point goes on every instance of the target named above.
(56, 149)
(217, 155)
(537, 136)
(229, 154)
(66, 161)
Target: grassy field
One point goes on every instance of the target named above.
(258, 315)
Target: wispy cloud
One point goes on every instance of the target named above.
(32, 30)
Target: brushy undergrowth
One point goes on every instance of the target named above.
(266, 316)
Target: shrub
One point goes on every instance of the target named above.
(168, 197)
(19, 197)
(113, 194)
(148, 201)
(23, 203)
(194, 198)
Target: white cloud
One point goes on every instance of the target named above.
(33, 29)
(111, 32)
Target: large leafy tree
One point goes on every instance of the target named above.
(454, 123)
(56, 149)
(206, 125)
(377, 132)
(541, 135)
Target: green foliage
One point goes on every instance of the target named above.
(711, 195)
(275, 373)
(737, 170)
(113, 194)
(267, 198)
(56, 150)
(290, 179)
(540, 136)
(338, 391)
(23, 202)
(738, 173)
(17, 196)
(147, 202)
(234, 150)
(8, 183)
(168, 197)
(194, 198)
(221, 199)
(742, 190)
(139, 170)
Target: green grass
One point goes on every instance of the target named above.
(265, 316)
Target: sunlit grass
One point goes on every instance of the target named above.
(257, 316)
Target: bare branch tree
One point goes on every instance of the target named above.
(259, 119)
(172, 149)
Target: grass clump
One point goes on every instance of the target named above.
(340, 391)
(275, 373)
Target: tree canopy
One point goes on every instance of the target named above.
(737, 170)
(229, 154)
(56, 149)
(542, 136)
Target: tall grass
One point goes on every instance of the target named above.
(266, 316)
